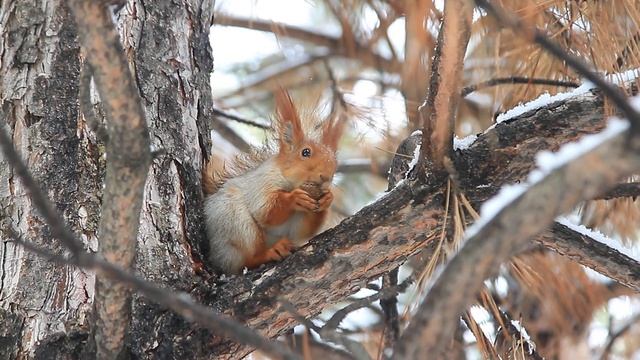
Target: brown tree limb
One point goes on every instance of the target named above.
(127, 166)
(588, 175)
(592, 254)
(621, 331)
(516, 80)
(439, 110)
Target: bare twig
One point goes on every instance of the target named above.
(390, 309)
(384, 293)
(439, 109)
(614, 336)
(337, 45)
(516, 80)
(129, 159)
(239, 119)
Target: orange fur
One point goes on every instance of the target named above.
(267, 185)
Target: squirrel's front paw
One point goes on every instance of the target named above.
(325, 201)
(280, 250)
(303, 201)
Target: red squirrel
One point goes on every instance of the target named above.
(263, 205)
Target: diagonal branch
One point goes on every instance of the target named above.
(492, 240)
(181, 303)
(631, 190)
(585, 250)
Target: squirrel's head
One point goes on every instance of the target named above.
(304, 159)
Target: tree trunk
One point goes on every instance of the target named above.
(45, 309)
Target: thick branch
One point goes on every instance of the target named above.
(127, 165)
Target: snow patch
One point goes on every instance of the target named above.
(414, 161)
(543, 100)
(464, 143)
(546, 98)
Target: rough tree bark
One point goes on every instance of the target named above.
(167, 44)
(171, 59)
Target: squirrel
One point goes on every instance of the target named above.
(263, 205)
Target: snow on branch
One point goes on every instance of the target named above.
(577, 172)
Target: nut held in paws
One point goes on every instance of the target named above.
(314, 190)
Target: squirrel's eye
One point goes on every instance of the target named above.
(306, 152)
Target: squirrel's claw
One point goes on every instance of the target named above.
(303, 201)
(325, 201)
(280, 250)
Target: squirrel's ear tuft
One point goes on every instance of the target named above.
(288, 126)
(332, 131)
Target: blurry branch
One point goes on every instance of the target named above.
(347, 46)
(239, 119)
(621, 331)
(592, 253)
(439, 109)
(338, 96)
(231, 136)
(516, 80)
(289, 31)
(274, 73)
(127, 166)
(419, 43)
(504, 234)
(381, 30)
(356, 350)
(535, 35)
(181, 303)
(631, 190)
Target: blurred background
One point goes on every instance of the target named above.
(369, 60)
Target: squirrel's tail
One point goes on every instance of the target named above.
(213, 175)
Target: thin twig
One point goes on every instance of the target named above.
(621, 331)
(516, 80)
(239, 119)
